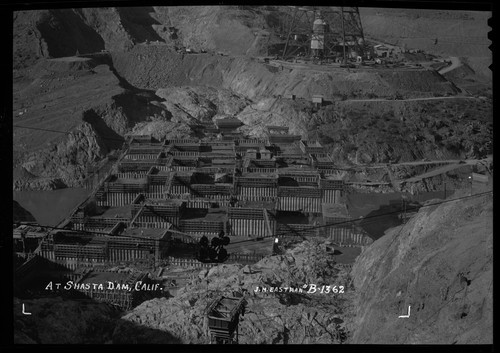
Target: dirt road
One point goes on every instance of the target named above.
(455, 62)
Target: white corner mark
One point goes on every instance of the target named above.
(25, 313)
(405, 316)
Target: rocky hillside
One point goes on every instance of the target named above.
(399, 131)
(63, 32)
(439, 263)
(72, 111)
(270, 318)
(69, 113)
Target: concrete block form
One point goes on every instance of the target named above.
(202, 188)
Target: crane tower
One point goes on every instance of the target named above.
(321, 32)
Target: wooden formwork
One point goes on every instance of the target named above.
(101, 248)
(155, 221)
(332, 184)
(252, 142)
(261, 170)
(248, 227)
(132, 175)
(212, 189)
(283, 139)
(202, 226)
(154, 224)
(183, 168)
(244, 213)
(219, 154)
(332, 196)
(135, 166)
(183, 262)
(347, 235)
(219, 200)
(217, 169)
(159, 190)
(256, 192)
(188, 154)
(142, 157)
(116, 199)
(247, 221)
(185, 146)
(249, 181)
(311, 147)
(146, 149)
(302, 204)
(158, 175)
(124, 187)
(98, 224)
(296, 229)
(298, 192)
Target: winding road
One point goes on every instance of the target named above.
(455, 62)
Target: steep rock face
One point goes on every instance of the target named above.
(64, 32)
(69, 113)
(230, 29)
(67, 160)
(162, 129)
(275, 111)
(269, 318)
(440, 264)
(190, 104)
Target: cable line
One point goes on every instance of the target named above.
(408, 209)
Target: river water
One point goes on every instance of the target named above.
(381, 208)
(49, 207)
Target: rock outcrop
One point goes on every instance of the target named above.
(270, 317)
(439, 263)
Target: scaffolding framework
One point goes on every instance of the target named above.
(344, 28)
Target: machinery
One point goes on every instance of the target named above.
(333, 33)
(213, 251)
(223, 316)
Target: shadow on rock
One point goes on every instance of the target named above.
(127, 332)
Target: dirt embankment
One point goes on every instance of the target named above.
(157, 66)
(440, 264)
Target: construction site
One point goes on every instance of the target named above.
(251, 174)
(162, 197)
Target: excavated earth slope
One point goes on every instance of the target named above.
(441, 264)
